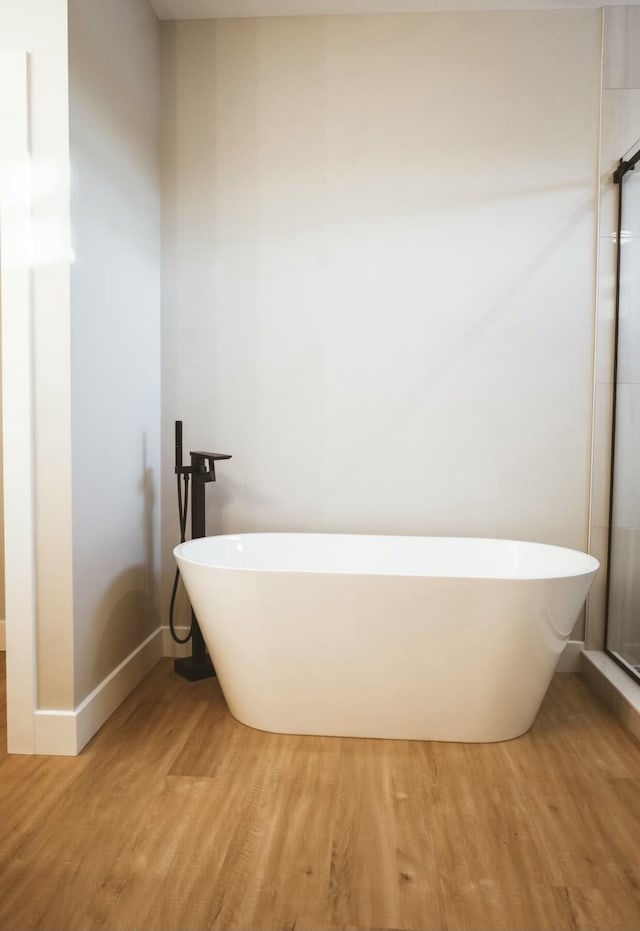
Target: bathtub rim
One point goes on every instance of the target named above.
(591, 564)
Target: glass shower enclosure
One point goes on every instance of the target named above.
(623, 583)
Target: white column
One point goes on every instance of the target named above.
(17, 400)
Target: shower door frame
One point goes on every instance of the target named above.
(624, 167)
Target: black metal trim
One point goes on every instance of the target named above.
(614, 394)
(624, 167)
(628, 668)
(622, 170)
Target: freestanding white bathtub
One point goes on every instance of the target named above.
(419, 638)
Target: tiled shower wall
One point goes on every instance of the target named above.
(620, 129)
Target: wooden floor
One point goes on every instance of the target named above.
(177, 817)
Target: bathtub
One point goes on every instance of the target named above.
(415, 638)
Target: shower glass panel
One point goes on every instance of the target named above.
(623, 600)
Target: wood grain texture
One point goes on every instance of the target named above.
(178, 817)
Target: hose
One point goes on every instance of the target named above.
(183, 509)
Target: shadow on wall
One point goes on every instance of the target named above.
(124, 618)
(127, 612)
(146, 487)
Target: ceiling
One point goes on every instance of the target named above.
(223, 9)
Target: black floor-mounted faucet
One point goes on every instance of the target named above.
(201, 471)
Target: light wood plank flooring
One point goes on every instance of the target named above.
(178, 817)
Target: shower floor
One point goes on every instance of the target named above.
(177, 817)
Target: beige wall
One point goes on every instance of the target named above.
(378, 292)
(114, 76)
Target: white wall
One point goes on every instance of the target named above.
(114, 73)
(378, 288)
(2, 605)
(114, 552)
(39, 28)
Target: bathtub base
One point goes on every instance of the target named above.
(194, 669)
(400, 734)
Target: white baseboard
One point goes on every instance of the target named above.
(170, 647)
(55, 732)
(3, 636)
(65, 733)
(570, 659)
